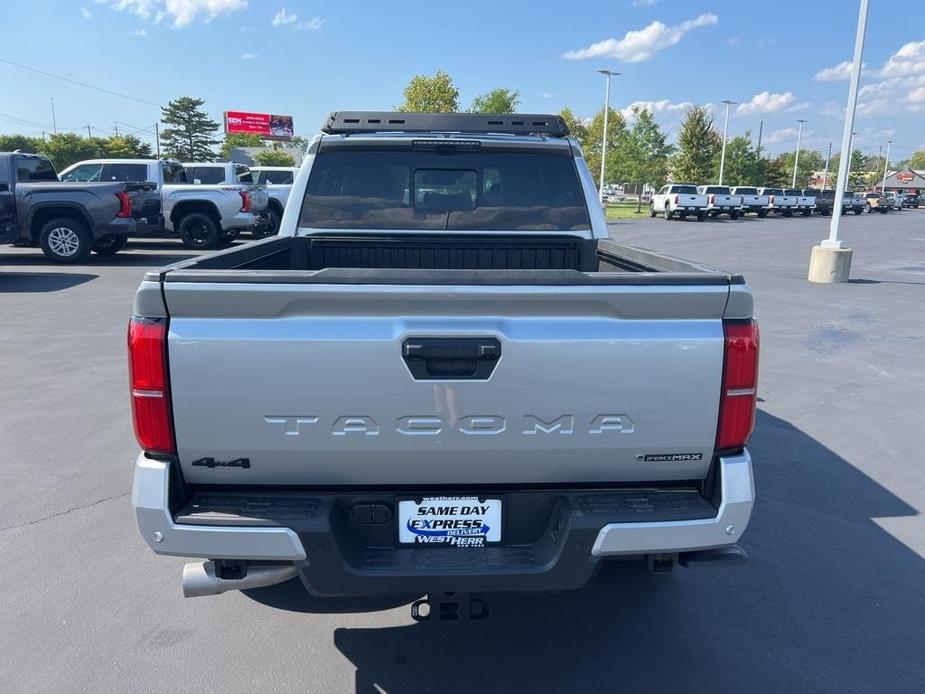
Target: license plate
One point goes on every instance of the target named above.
(457, 521)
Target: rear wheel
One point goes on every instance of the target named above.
(652, 211)
(762, 213)
(65, 240)
(701, 216)
(682, 215)
(807, 213)
(788, 213)
(734, 215)
(668, 213)
(109, 245)
(198, 230)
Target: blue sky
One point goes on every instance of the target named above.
(304, 58)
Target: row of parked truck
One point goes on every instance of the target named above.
(680, 200)
(97, 205)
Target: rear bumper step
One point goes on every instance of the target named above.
(553, 540)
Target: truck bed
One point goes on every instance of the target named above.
(460, 258)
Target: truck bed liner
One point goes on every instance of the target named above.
(445, 259)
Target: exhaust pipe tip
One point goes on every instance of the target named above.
(200, 578)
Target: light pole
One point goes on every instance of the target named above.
(825, 174)
(886, 165)
(850, 152)
(608, 74)
(796, 158)
(722, 156)
(831, 261)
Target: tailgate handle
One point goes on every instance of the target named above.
(451, 358)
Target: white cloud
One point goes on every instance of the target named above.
(312, 24)
(766, 102)
(908, 60)
(140, 32)
(642, 44)
(282, 18)
(182, 12)
(786, 135)
(85, 13)
(547, 95)
(644, 3)
(734, 41)
(902, 84)
(765, 42)
(248, 56)
(663, 107)
(842, 71)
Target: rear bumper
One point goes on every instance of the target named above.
(555, 539)
(245, 220)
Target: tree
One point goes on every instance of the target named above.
(917, 161)
(193, 134)
(810, 161)
(698, 145)
(776, 174)
(65, 149)
(125, 147)
(496, 101)
(642, 154)
(594, 137)
(576, 126)
(24, 143)
(435, 94)
(300, 142)
(857, 176)
(274, 157)
(743, 165)
(233, 140)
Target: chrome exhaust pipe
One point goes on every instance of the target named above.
(199, 578)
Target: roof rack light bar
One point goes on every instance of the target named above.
(354, 122)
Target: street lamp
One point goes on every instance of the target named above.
(886, 165)
(796, 159)
(831, 261)
(608, 74)
(722, 157)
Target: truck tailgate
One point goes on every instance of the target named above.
(313, 383)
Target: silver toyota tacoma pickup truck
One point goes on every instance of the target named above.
(441, 378)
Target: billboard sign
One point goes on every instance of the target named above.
(266, 125)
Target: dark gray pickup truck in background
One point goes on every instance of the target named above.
(69, 220)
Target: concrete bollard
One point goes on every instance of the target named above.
(829, 264)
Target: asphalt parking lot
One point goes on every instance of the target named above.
(833, 598)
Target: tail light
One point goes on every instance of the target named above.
(147, 361)
(712, 199)
(771, 199)
(740, 385)
(125, 204)
(245, 201)
(677, 199)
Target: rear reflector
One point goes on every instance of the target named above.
(147, 360)
(740, 385)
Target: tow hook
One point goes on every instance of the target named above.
(449, 607)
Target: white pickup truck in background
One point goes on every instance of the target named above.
(278, 180)
(779, 202)
(720, 200)
(204, 215)
(752, 200)
(805, 203)
(679, 199)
